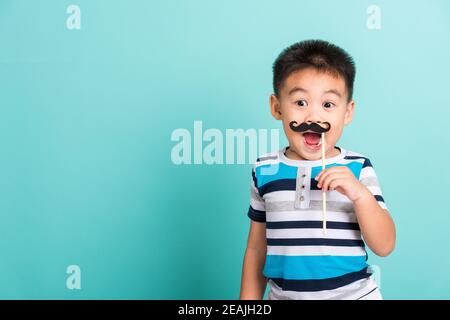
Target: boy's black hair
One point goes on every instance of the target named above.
(318, 54)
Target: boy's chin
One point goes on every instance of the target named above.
(306, 154)
(312, 155)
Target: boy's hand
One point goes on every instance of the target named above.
(341, 179)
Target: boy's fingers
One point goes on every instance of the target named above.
(328, 179)
(324, 173)
(324, 185)
(327, 171)
(318, 175)
(336, 183)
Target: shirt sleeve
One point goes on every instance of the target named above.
(257, 208)
(368, 177)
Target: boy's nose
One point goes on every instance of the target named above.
(313, 119)
(314, 114)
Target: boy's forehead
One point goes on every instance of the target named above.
(314, 80)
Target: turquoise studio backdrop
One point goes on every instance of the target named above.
(94, 93)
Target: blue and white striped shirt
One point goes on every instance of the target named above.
(302, 262)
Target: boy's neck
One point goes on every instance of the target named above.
(294, 156)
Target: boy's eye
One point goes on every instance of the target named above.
(328, 104)
(301, 103)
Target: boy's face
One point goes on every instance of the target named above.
(308, 95)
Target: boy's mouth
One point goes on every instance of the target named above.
(312, 140)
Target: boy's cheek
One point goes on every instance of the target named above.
(291, 135)
(294, 138)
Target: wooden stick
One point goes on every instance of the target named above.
(324, 194)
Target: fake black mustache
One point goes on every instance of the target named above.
(314, 126)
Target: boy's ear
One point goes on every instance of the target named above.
(349, 112)
(275, 107)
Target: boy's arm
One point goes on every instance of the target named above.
(376, 224)
(253, 282)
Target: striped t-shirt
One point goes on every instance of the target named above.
(302, 262)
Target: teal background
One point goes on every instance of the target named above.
(87, 115)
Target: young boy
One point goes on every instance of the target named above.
(287, 245)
